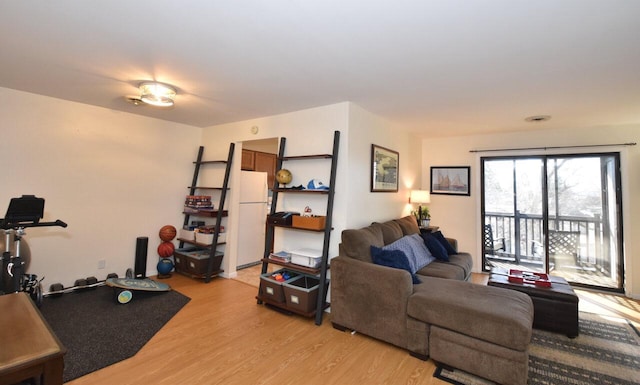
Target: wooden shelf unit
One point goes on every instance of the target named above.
(321, 272)
(214, 255)
(205, 213)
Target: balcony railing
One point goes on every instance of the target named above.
(524, 237)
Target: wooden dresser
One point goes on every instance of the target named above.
(29, 349)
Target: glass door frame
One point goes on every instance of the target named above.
(617, 190)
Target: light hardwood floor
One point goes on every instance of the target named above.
(223, 337)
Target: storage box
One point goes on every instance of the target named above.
(195, 261)
(312, 223)
(207, 239)
(270, 289)
(302, 293)
(189, 235)
(306, 257)
(180, 262)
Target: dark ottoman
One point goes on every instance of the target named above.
(555, 308)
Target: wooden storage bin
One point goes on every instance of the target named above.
(301, 294)
(272, 290)
(312, 223)
(180, 262)
(195, 261)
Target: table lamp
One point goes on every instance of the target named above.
(420, 197)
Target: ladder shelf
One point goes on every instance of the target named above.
(195, 268)
(321, 271)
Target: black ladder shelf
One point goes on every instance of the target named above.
(321, 272)
(219, 213)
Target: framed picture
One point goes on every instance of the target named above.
(384, 169)
(453, 180)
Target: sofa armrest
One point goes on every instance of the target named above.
(454, 243)
(370, 299)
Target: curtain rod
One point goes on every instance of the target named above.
(555, 147)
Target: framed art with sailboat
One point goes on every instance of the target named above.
(451, 180)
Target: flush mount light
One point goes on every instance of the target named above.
(538, 118)
(157, 94)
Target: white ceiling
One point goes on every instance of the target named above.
(439, 67)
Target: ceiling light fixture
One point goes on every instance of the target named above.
(157, 94)
(538, 118)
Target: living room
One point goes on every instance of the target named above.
(123, 156)
(114, 174)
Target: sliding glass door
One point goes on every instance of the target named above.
(558, 214)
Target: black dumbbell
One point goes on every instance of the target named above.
(56, 290)
(92, 282)
(80, 284)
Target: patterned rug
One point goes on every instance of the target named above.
(607, 352)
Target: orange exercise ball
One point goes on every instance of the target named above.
(165, 249)
(167, 233)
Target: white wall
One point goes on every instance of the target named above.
(111, 176)
(365, 206)
(459, 217)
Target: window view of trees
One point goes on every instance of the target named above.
(573, 186)
(580, 195)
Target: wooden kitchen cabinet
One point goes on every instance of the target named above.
(260, 161)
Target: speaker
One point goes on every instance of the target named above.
(140, 266)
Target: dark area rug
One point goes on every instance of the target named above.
(607, 351)
(98, 332)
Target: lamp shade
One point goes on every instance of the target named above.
(420, 196)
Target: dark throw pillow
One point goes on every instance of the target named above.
(435, 247)
(393, 258)
(450, 250)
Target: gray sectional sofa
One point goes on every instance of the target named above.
(480, 329)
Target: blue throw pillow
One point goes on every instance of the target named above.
(450, 250)
(421, 254)
(435, 247)
(392, 258)
(414, 248)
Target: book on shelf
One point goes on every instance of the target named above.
(198, 201)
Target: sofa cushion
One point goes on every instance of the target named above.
(391, 231)
(462, 260)
(438, 235)
(357, 243)
(503, 317)
(408, 224)
(440, 269)
(414, 248)
(393, 258)
(435, 247)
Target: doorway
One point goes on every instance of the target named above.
(557, 214)
(256, 180)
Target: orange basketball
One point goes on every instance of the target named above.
(167, 233)
(165, 249)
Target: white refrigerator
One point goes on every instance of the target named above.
(253, 213)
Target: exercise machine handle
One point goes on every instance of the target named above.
(57, 222)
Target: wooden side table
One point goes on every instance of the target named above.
(429, 229)
(29, 347)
